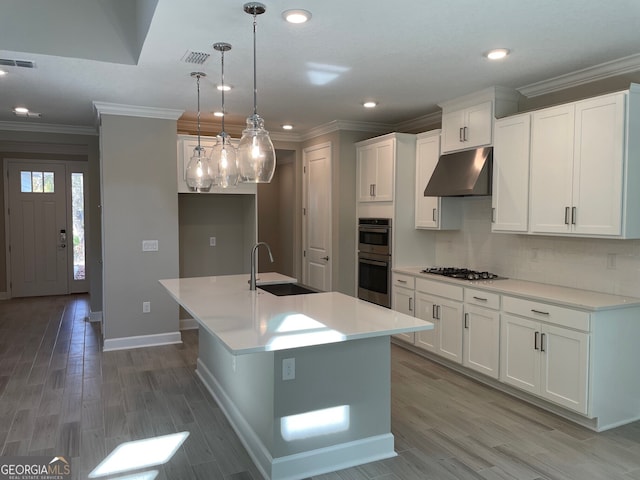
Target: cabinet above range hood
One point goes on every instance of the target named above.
(460, 174)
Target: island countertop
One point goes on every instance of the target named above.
(256, 321)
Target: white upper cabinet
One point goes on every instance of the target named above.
(185, 145)
(376, 163)
(467, 128)
(435, 213)
(578, 153)
(510, 191)
(467, 122)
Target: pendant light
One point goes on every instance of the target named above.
(198, 175)
(223, 157)
(256, 155)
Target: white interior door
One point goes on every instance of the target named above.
(317, 221)
(38, 236)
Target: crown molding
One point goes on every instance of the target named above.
(418, 123)
(48, 128)
(337, 125)
(44, 148)
(104, 108)
(602, 71)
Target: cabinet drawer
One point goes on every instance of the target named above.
(482, 298)
(441, 289)
(404, 281)
(565, 317)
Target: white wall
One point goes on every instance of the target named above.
(567, 261)
(139, 202)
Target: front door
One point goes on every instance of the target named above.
(317, 248)
(38, 239)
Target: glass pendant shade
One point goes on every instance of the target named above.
(199, 176)
(224, 153)
(256, 155)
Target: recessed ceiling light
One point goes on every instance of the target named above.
(296, 16)
(287, 127)
(21, 110)
(225, 88)
(370, 104)
(497, 53)
(218, 114)
(2, 73)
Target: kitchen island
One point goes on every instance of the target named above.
(303, 379)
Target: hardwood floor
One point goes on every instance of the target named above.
(60, 395)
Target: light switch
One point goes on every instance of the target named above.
(149, 245)
(212, 241)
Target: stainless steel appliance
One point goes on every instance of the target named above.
(374, 260)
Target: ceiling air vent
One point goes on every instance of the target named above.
(17, 63)
(195, 57)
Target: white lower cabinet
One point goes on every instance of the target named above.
(446, 314)
(481, 337)
(544, 359)
(402, 300)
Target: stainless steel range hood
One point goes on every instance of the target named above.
(461, 174)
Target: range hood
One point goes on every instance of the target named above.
(461, 174)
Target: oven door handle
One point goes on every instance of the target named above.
(373, 262)
(373, 229)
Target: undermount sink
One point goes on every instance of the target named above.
(282, 289)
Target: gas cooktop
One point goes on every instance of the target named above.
(463, 273)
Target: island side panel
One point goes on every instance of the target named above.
(354, 375)
(243, 387)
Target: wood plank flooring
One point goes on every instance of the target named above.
(60, 395)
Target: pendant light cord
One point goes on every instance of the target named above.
(223, 87)
(198, 83)
(255, 85)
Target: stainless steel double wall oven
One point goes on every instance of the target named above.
(374, 260)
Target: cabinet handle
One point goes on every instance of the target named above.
(401, 281)
(574, 212)
(535, 340)
(433, 216)
(433, 311)
(464, 135)
(410, 304)
(566, 215)
(542, 349)
(493, 215)
(460, 135)
(466, 320)
(540, 312)
(480, 298)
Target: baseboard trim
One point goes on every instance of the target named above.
(4, 295)
(141, 341)
(188, 324)
(95, 316)
(300, 465)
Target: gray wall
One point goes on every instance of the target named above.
(223, 216)
(276, 214)
(139, 202)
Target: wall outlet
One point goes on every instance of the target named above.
(212, 241)
(288, 369)
(149, 245)
(146, 307)
(611, 261)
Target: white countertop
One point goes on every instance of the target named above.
(256, 321)
(565, 296)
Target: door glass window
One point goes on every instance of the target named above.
(77, 214)
(37, 182)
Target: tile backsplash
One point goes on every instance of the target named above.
(609, 266)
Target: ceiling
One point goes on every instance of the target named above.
(406, 55)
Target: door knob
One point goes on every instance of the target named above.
(325, 258)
